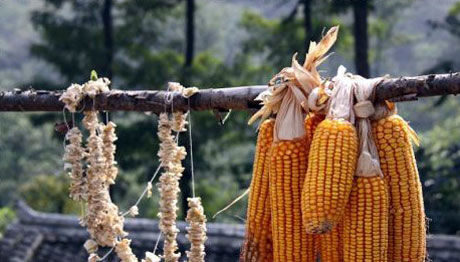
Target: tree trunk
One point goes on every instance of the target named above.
(189, 54)
(307, 22)
(360, 10)
(107, 21)
(190, 33)
(108, 38)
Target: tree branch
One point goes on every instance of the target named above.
(222, 99)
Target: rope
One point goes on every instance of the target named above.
(191, 147)
(232, 203)
(66, 124)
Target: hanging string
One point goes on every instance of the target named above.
(168, 100)
(191, 146)
(66, 124)
(232, 203)
(156, 243)
(106, 255)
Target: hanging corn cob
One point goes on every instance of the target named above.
(258, 244)
(288, 167)
(407, 232)
(331, 165)
(365, 222)
(287, 98)
(311, 123)
(331, 245)
(365, 232)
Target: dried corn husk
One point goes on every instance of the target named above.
(289, 90)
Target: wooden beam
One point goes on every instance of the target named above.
(236, 98)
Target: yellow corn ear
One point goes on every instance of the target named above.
(331, 245)
(311, 123)
(407, 232)
(258, 240)
(331, 167)
(365, 222)
(288, 167)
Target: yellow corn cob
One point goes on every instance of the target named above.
(288, 167)
(331, 245)
(365, 222)
(331, 167)
(258, 240)
(407, 235)
(311, 122)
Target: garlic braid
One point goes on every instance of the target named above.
(73, 157)
(196, 230)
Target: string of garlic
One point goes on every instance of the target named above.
(150, 257)
(124, 251)
(196, 230)
(170, 158)
(73, 157)
(108, 140)
(102, 219)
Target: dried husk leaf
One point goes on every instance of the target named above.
(368, 161)
(289, 90)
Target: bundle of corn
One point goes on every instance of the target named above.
(331, 164)
(331, 244)
(258, 240)
(286, 164)
(407, 229)
(365, 233)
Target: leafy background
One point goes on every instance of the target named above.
(48, 44)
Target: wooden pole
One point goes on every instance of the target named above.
(236, 98)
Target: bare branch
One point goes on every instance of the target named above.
(220, 99)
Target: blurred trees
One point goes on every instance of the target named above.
(144, 56)
(439, 157)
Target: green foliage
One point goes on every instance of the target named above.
(7, 216)
(49, 194)
(439, 165)
(25, 151)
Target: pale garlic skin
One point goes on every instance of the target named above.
(171, 156)
(102, 218)
(73, 156)
(196, 230)
(124, 252)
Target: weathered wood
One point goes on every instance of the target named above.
(236, 98)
